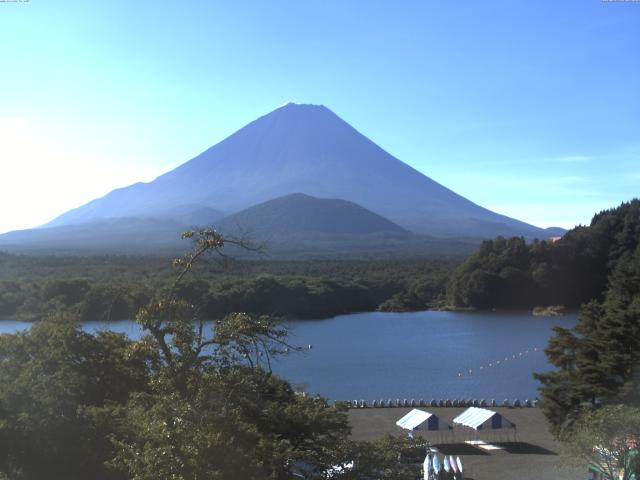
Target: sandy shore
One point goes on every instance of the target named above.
(529, 453)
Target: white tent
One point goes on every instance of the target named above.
(482, 419)
(421, 420)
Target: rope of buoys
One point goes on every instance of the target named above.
(501, 361)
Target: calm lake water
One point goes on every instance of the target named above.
(427, 355)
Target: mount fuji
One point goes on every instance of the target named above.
(295, 149)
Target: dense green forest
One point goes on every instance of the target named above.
(510, 273)
(598, 361)
(502, 273)
(115, 287)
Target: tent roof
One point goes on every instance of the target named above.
(413, 419)
(474, 417)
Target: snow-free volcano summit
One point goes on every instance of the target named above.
(304, 149)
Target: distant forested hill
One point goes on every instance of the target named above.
(303, 215)
(509, 273)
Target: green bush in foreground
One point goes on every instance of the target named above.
(182, 403)
(607, 439)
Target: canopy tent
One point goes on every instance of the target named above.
(482, 419)
(421, 420)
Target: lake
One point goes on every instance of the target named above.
(420, 355)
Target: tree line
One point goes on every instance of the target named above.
(115, 288)
(511, 273)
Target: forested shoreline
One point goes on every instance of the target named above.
(510, 273)
(502, 274)
(115, 288)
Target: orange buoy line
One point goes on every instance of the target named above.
(501, 361)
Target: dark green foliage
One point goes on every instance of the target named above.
(186, 401)
(509, 273)
(289, 297)
(114, 288)
(421, 292)
(598, 360)
(614, 431)
(57, 388)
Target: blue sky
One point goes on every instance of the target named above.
(530, 108)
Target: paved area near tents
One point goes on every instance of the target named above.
(532, 455)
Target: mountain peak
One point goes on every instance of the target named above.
(295, 109)
(308, 106)
(305, 148)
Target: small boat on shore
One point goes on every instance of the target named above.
(427, 467)
(454, 466)
(436, 466)
(460, 470)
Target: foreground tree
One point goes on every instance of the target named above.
(607, 439)
(190, 400)
(214, 409)
(58, 387)
(597, 360)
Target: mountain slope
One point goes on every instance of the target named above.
(295, 226)
(129, 234)
(299, 215)
(304, 148)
